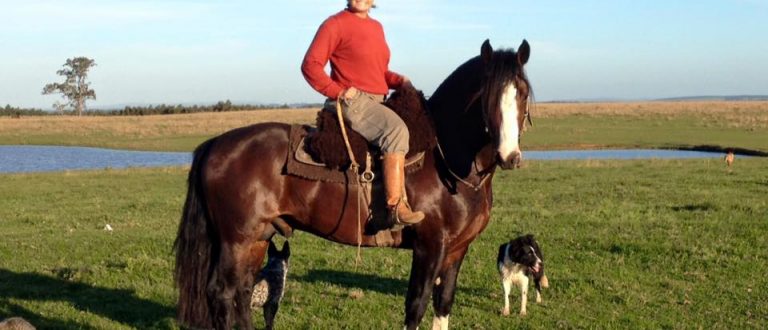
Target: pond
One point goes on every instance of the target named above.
(15, 159)
(19, 159)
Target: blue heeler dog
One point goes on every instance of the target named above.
(270, 283)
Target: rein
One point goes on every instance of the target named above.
(354, 164)
(484, 174)
(353, 168)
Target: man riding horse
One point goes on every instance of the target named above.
(354, 43)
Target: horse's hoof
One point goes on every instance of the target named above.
(505, 312)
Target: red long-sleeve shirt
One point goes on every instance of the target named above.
(358, 53)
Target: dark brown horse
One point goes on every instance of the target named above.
(238, 189)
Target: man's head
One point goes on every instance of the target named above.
(360, 5)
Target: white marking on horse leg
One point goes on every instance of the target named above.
(440, 322)
(510, 132)
(538, 297)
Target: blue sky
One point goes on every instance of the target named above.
(250, 51)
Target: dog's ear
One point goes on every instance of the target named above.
(529, 239)
(286, 250)
(272, 250)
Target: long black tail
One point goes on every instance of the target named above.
(196, 248)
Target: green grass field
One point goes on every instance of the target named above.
(673, 244)
(578, 132)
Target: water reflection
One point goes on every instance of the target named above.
(55, 158)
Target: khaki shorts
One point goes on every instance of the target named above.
(379, 125)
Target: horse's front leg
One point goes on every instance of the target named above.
(427, 258)
(445, 289)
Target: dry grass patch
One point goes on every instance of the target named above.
(153, 125)
(737, 114)
(741, 124)
(742, 114)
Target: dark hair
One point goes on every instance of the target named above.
(372, 5)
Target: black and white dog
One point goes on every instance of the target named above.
(518, 259)
(270, 283)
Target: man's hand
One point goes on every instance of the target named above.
(406, 82)
(350, 93)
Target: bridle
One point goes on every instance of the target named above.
(486, 173)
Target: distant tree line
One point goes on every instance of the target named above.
(75, 90)
(161, 109)
(9, 111)
(166, 109)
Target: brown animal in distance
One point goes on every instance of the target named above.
(729, 157)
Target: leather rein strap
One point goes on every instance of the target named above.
(476, 187)
(484, 176)
(354, 164)
(353, 168)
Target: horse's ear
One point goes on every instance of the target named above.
(523, 52)
(486, 51)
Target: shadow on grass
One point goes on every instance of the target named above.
(704, 207)
(351, 280)
(119, 305)
(373, 283)
(41, 322)
(721, 149)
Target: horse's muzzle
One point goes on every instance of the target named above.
(514, 160)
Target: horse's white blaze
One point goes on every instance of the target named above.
(510, 132)
(440, 323)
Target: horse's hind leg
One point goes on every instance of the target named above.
(229, 292)
(445, 290)
(221, 290)
(251, 259)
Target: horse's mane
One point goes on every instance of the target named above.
(326, 145)
(502, 68)
(459, 101)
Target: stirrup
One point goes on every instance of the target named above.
(394, 218)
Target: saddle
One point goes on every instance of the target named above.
(319, 153)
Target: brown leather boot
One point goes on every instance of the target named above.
(394, 185)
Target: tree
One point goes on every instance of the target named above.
(75, 89)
